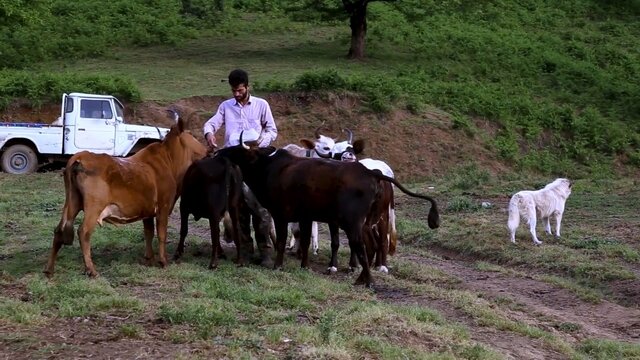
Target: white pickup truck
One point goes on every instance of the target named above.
(87, 122)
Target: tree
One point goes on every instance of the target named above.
(355, 10)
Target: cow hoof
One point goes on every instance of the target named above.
(48, 274)
(332, 270)
(149, 261)
(213, 266)
(537, 243)
(315, 252)
(91, 273)
(383, 269)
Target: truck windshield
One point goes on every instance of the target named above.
(119, 110)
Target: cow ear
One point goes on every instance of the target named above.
(307, 144)
(358, 146)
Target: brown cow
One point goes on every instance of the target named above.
(123, 190)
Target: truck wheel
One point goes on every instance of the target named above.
(19, 159)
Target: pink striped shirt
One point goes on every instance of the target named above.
(235, 118)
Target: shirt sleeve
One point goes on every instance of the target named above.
(269, 129)
(215, 122)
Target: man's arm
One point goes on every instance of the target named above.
(212, 125)
(269, 129)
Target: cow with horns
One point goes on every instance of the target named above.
(304, 190)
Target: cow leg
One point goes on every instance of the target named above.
(63, 233)
(84, 233)
(354, 233)
(314, 237)
(335, 245)
(353, 261)
(162, 220)
(383, 243)
(184, 230)
(214, 225)
(305, 238)
(55, 247)
(234, 216)
(148, 241)
(281, 242)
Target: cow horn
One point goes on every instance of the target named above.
(317, 132)
(242, 142)
(350, 141)
(175, 114)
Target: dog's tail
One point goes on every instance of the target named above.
(514, 214)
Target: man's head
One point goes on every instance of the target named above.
(239, 81)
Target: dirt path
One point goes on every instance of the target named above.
(529, 301)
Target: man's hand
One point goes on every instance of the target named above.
(211, 141)
(263, 141)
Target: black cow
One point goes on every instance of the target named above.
(303, 190)
(211, 186)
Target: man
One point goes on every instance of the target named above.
(251, 115)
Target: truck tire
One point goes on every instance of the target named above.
(19, 159)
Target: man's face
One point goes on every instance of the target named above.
(240, 92)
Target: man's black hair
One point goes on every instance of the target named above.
(238, 77)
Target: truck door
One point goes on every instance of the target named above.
(96, 126)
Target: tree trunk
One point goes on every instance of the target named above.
(358, 23)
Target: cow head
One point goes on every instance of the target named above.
(181, 144)
(322, 145)
(347, 150)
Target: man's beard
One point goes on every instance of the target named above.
(243, 98)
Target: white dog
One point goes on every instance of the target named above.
(547, 202)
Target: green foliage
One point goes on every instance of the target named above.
(62, 29)
(49, 87)
(575, 80)
(609, 349)
(462, 203)
(467, 177)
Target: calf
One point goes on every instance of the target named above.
(320, 148)
(212, 186)
(385, 243)
(305, 190)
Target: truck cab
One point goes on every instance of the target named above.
(87, 122)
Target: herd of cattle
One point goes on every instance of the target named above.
(301, 185)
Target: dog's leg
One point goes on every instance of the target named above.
(547, 224)
(532, 226)
(558, 221)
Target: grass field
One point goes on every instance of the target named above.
(462, 291)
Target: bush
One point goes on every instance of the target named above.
(39, 88)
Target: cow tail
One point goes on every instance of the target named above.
(72, 204)
(393, 234)
(433, 219)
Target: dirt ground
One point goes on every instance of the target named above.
(417, 147)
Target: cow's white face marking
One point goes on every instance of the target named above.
(324, 144)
